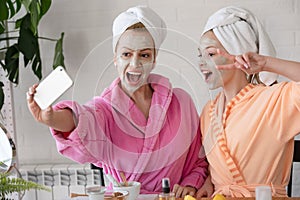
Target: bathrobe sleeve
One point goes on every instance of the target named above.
(285, 110)
(78, 145)
(196, 165)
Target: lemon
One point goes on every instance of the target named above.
(219, 197)
(188, 197)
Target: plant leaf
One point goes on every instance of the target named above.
(26, 4)
(45, 5)
(2, 28)
(11, 184)
(58, 54)
(26, 61)
(34, 8)
(12, 63)
(1, 95)
(28, 42)
(18, 22)
(36, 65)
(29, 46)
(4, 13)
(18, 5)
(11, 8)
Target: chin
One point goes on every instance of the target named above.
(213, 86)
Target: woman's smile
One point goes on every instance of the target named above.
(133, 77)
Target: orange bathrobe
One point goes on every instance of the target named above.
(251, 142)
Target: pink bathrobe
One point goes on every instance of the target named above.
(113, 133)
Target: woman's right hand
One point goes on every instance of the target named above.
(43, 116)
(250, 62)
(60, 120)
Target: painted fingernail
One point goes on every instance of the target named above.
(246, 66)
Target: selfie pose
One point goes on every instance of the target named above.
(139, 125)
(248, 129)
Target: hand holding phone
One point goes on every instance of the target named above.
(52, 87)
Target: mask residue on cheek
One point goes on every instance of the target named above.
(220, 60)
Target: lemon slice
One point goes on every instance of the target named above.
(219, 197)
(188, 197)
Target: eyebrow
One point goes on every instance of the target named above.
(147, 49)
(211, 46)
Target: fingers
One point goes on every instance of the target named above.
(181, 192)
(246, 57)
(241, 62)
(201, 193)
(177, 189)
(188, 191)
(30, 93)
(210, 192)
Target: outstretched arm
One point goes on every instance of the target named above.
(252, 63)
(61, 120)
(287, 68)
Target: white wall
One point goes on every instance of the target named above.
(88, 54)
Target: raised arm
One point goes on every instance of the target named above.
(61, 120)
(251, 63)
(287, 68)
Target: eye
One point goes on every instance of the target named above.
(212, 51)
(145, 55)
(126, 54)
(211, 54)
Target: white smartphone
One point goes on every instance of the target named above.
(52, 87)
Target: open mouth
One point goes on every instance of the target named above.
(133, 77)
(206, 74)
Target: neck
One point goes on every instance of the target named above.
(142, 99)
(234, 86)
(143, 93)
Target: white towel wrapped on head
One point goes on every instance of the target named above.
(151, 20)
(239, 31)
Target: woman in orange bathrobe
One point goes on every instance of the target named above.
(249, 128)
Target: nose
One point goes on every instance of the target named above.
(201, 62)
(135, 61)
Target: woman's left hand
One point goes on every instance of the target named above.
(250, 62)
(181, 191)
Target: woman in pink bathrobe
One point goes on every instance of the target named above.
(139, 125)
(248, 129)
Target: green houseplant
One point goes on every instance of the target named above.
(9, 185)
(19, 35)
(10, 178)
(19, 38)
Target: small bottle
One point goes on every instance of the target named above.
(166, 193)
